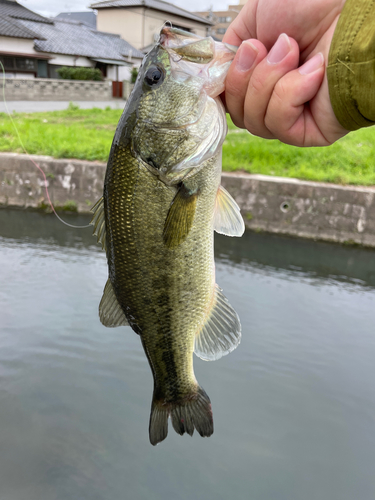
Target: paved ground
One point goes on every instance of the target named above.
(31, 106)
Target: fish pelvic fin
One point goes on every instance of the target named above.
(221, 333)
(98, 221)
(180, 216)
(193, 412)
(110, 311)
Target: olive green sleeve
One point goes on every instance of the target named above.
(351, 65)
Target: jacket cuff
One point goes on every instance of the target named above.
(351, 65)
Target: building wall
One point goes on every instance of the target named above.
(222, 20)
(61, 60)
(123, 73)
(17, 45)
(138, 25)
(127, 23)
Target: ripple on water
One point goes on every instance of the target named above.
(293, 405)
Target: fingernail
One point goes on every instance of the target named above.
(279, 50)
(246, 57)
(312, 64)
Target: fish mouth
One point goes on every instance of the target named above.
(174, 38)
(170, 36)
(194, 56)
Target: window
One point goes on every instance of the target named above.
(225, 19)
(25, 64)
(19, 63)
(8, 62)
(221, 31)
(53, 71)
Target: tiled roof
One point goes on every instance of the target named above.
(62, 36)
(11, 13)
(10, 27)
(17, 11)
(83, 17)
(73, 38)
(151, 4)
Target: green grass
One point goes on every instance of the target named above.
(85, 134)
(88, 134)
(349, 161)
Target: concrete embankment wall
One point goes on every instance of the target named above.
(273, 204)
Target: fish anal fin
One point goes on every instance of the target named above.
(110, 311)
(180, 216)
(98, 221)
(221, 332)
(227, 219)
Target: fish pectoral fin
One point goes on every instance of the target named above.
(227, 218)
(180, 216)
(110, 311)
(221, 332)
(98, 221)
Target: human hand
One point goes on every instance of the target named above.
(283, 93)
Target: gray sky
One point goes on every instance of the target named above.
(52, 8)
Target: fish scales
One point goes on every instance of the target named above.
(160, 211)
(151, 280)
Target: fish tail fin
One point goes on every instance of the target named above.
(158, 429)
(193, 412)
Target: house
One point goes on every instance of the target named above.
(221, 19)
(88, 17)
(140, 21)
(32, 46)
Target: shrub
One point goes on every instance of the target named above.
(80, 73)
(72, 106)
(134, 74)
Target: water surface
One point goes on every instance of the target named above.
(294, 405)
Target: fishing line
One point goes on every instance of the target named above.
(32, 161)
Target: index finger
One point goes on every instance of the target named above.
(244, 26)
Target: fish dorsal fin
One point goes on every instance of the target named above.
(180, 216)
(221, 332)
(227, 219)
(110, 311)
(98, 221)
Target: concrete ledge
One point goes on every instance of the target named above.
(277, 205)
(307, 209)
(71, 183)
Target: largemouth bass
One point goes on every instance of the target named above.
(162, 201)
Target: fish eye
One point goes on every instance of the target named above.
(154, 76)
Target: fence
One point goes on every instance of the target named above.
(44, 89)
